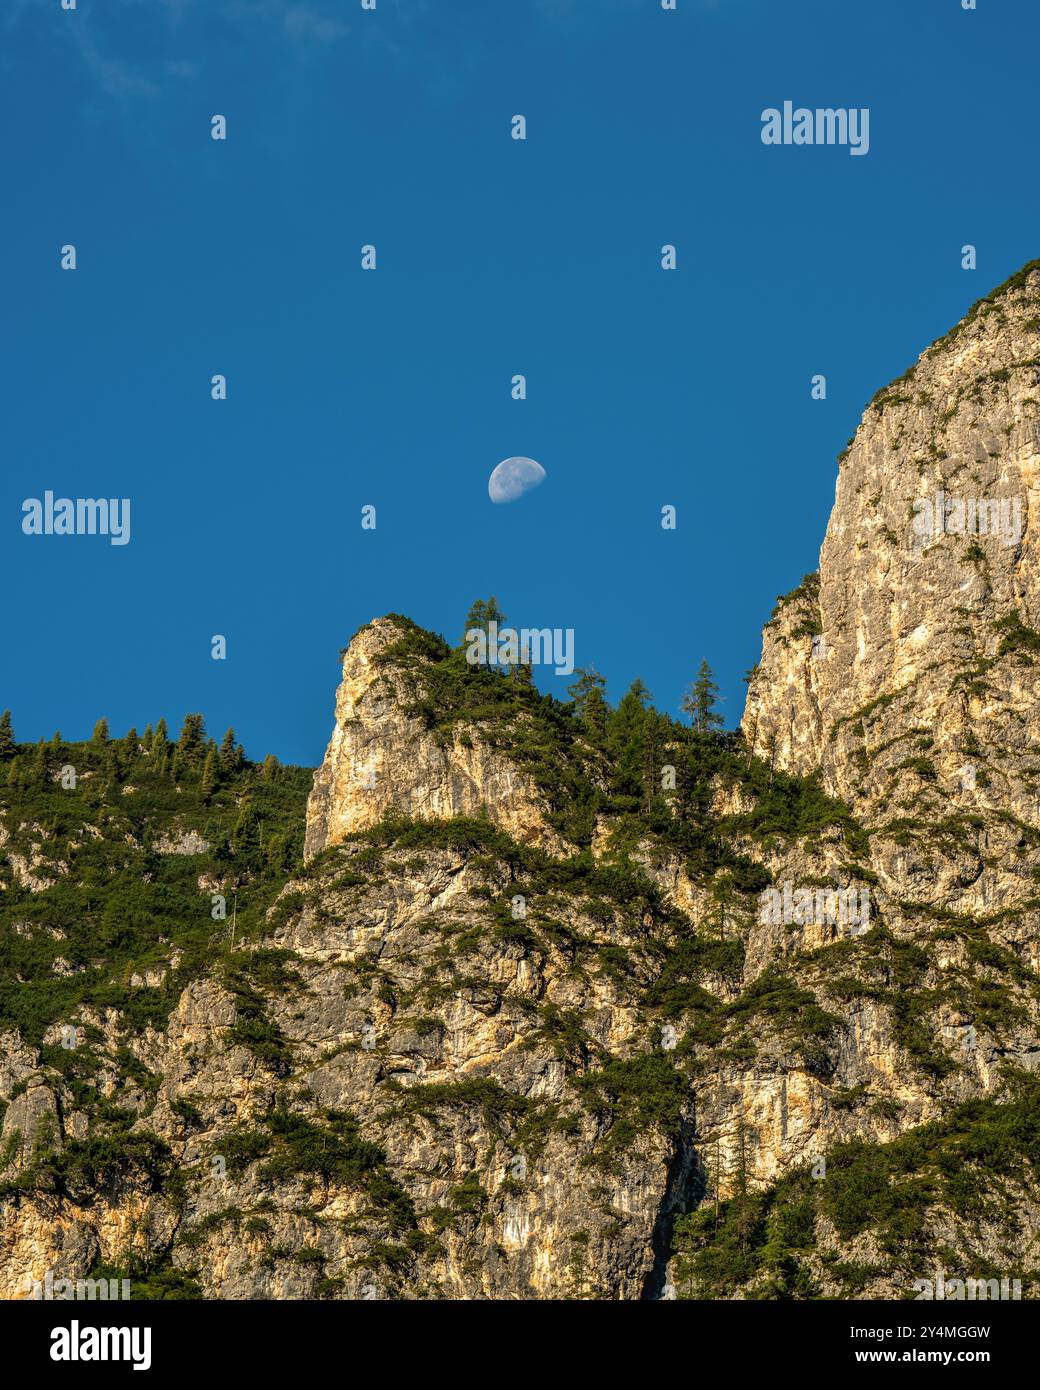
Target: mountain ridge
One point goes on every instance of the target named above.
(541, 999)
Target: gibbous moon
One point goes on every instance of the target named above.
(513, 477)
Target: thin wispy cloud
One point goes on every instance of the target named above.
(101, 35)
(113, 75)
(302, 22)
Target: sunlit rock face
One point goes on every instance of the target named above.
(906, 672)
(381, 758)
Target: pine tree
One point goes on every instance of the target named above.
(743, 1203)
(192, 738)
(269, 771)
(521, 675)
(590, 704)
(681, 806)
(625, 741)
(7, 743)
(245, 838)
(230, 755)
(654, 733)
(100, 734)
(694, 787)
(700, 700)
(113, 763)
(146, 738)
(209, 775)
(481, 615)
(161, 737)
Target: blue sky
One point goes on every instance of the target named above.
(346, 388)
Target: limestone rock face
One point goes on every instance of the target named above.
(906, 672)
(408, 1010)
(382, 759)
(907, 648)
(189, 842)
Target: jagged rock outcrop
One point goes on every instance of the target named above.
(383, 758)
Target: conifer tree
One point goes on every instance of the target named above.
(209, 775)
(245, 837)
(192, 738)
(161, 737)
(7, 743)
(590, 704)
(654, 734)
(113, 763)
(625, 741)
(230, 757)
(521, 675)
(100, 734)
(700, 700)
(481, 615)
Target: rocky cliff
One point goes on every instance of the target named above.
(904, 668)
(551, 1001)
(385, 756)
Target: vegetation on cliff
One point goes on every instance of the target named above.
(135, 867)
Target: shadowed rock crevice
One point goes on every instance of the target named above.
(684, 1190)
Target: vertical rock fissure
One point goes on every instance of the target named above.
(684, 1190)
